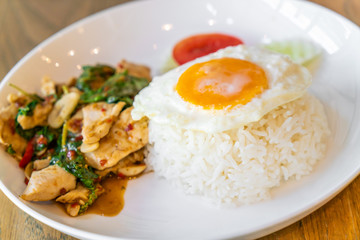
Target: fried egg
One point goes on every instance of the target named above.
(223, 90)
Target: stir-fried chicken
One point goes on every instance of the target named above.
(35, 166)
(125, 137)
(41, 163)
(75, 123)
(98, 119)
(72, 209)
(48, 183)
(129, 166)
(74, 199)
(17, 100)
(8, 135)
(47, 86)
(133, 69)
(79, 195)
(38, 118)
(60, 149)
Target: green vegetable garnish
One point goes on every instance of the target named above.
(120, 87)
(299, 50)
(71, 159)
(98, 83)
(169, 65)
(64, 134)
(32, 96)
(91, 198)
(94, 76)
(27, 134)
(76, 166)
(45, 137)
(28, 110)
(10, 150)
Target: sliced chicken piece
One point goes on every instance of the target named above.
(41, 164)
(133, 159)
(36, 166)
(9, 112)
(47, 86)
(39, 117)
(48, 183)
(18, 99)
(15, 101)
(8, 137)
(98, 119)
(135, 70)
(79, 195)
(75, 123)
(125, 137)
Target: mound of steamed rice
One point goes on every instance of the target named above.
(242, 165)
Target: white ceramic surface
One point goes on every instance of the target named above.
(145, 32)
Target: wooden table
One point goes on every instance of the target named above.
(24, 24)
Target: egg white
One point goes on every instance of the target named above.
(161, 103)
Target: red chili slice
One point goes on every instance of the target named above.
(103, 162)
(129, 127)
(63, 191)
(122, 176)
(41, 140)
(27, 155)
(74, 204)
(78, 138)
(71, 154)
(200, 45)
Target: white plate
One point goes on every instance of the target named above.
(145, 32)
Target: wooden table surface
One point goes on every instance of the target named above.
(24, 24)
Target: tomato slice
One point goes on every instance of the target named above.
(202, 44)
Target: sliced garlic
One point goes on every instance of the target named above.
(28, 170)
(89, 147)
(132, 170)
(62, 109)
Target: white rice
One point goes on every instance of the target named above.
(242, 165)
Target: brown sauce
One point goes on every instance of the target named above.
(111, 202)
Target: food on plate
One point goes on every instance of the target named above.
(199, 45)
(76, 135)
(213, 94)
(301, 51)
(231, 125)
(126, 136)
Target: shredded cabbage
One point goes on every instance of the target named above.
(299, 50)
(169, 65)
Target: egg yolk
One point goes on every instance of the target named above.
(221, 83)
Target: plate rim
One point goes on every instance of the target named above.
(73, 231)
